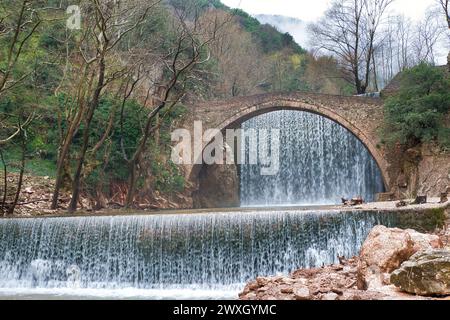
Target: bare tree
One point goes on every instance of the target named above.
(241, 67)
(428, 33)
(105, 25)
(4, 182)
(394, 52)
(349, 30)
(182, 60)
(19, 22)
(9, 208)
(445, 4)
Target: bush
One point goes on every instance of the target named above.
(417, 113)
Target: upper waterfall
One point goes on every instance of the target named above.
(320, 162)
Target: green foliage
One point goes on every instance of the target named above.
(270, 39)
(417, 112)
(167, 177)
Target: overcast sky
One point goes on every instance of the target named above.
(310, 10)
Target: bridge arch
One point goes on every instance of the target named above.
(345, 111)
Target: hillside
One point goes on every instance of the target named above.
(296, 27)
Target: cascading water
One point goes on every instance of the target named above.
(320, 162)
(162, 256)
(173, 252)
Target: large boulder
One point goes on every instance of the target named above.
(427, 273)
(385, 249)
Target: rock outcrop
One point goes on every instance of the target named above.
(336, 282)
(426, 273)
(385, 250)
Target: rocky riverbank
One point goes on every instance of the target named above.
(36, 196)
(393, 264)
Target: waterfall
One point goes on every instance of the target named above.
(203, 251)
(320, 162)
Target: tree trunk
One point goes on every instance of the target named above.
(60, 168)
(93, 106)
(13, 206)
(131, 185)
(5, 182)
(157, 131)
(375, 75)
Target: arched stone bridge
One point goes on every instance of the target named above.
(360, 115)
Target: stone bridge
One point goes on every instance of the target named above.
(219, 185)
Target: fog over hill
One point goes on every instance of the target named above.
(296, 27)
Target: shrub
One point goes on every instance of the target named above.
(417, 113)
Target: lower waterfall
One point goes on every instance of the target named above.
(174, 252)
(320, 162)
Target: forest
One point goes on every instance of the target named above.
(91, 90)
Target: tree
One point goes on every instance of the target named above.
(394, 52)
(445, 4)
(324, 75)
(19, 26)
(183, 59)
(106, 25)
(349, 30)
(240, 65)
(416, 114)
(19, 22)
(427, 35)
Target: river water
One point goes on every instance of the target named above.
(189, 256)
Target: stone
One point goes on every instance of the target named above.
(302, 293)
(286, 289)
(326, 283)
(331, 296)
(385, 250)
(269, 298)
(253, 286)
(28, 190)
(357, 295)
(353, 202)
(424, 241)
(287, 281)
(262, 282)
(251, 296)
(402, 181)
(338, 291)
(427, 273)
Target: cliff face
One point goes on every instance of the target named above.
(424, 170)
